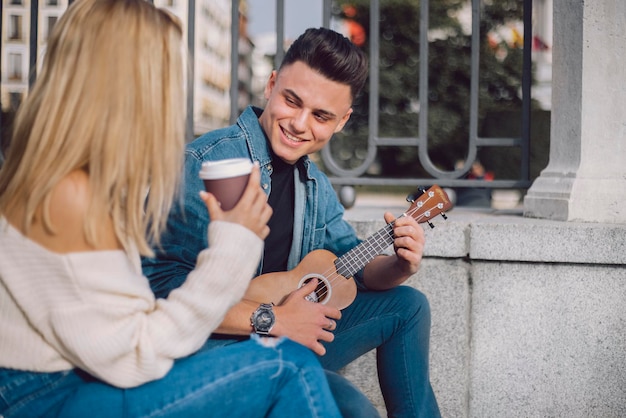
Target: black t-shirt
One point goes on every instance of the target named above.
(281, 199)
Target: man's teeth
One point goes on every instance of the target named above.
(292, 138)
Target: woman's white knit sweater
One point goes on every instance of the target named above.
(95, 310)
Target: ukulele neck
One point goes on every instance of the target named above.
(354, 260)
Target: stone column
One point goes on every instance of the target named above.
(585, 179)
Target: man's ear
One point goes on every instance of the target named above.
(271, 82)
(343, 121)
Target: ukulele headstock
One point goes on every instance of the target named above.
(426, 204)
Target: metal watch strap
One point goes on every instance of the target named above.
(266, 310)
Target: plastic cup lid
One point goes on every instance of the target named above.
(220, 169)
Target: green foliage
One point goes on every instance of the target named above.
(449, 59)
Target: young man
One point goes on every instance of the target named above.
(309, 98)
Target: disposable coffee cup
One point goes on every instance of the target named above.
(226, 179)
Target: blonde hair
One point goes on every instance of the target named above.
(110, 99)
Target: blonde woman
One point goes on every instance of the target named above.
(81, 333)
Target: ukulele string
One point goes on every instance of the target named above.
(331, 275)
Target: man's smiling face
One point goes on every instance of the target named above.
(303, 111)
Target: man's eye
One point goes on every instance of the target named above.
(321, 118)
(290, 101)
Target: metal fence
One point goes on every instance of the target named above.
(354, 176)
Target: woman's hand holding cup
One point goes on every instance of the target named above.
(251, 210)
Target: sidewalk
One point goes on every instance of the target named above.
(373, 205)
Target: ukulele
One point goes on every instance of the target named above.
(336, 286)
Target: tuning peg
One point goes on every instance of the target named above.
(411, 198)
(444, 215)
(430, 224)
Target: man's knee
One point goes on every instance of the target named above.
(351, 401)
(411, 302)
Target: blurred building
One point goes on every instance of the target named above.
(211, 54)
(15, 45)
(245, 71)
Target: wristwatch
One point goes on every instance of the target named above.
(262, 320)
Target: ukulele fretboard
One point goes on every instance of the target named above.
(355, 259)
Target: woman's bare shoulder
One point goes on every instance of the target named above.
(68, 211)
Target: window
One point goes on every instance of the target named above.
(15, 100)
(15, 27)
(52, 20)
(15, 66)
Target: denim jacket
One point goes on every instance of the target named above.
(318, 217)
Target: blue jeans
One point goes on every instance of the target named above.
(396, 323)
(249, 379)
(351, 401)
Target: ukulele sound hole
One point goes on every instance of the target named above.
(322, 291)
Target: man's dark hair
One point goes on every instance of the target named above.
(332, 55)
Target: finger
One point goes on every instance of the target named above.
(265, 231)
(408, 237)
(319, 349)
(212, 204)
(255, 178)
(410, 232)
(405, 221)
(409, 254)
(260, 206)
(331, 313)
(251, 190)
(407, 244)
(308, 287)
(331, 326)
(389, 218)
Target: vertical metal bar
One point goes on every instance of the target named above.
(526, 84)
(326, 13)
(474, 84)
(191, 36)
(374, 69)
(280, 33)
(423, 77)
(234, 62)
(34, 18)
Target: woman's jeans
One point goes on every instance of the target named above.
(397, 323)
(273, 378)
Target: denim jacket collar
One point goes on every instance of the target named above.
(257, 141)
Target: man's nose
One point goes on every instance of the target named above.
(299, 121)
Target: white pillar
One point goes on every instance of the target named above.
(585, 179)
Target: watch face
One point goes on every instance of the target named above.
(263, 319)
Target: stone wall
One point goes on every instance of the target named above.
(528, 315)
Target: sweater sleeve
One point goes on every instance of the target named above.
(105, 320)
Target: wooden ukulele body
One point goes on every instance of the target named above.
(333, 289)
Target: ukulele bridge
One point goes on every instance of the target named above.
(322, 292)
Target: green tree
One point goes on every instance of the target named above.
(449, 81)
